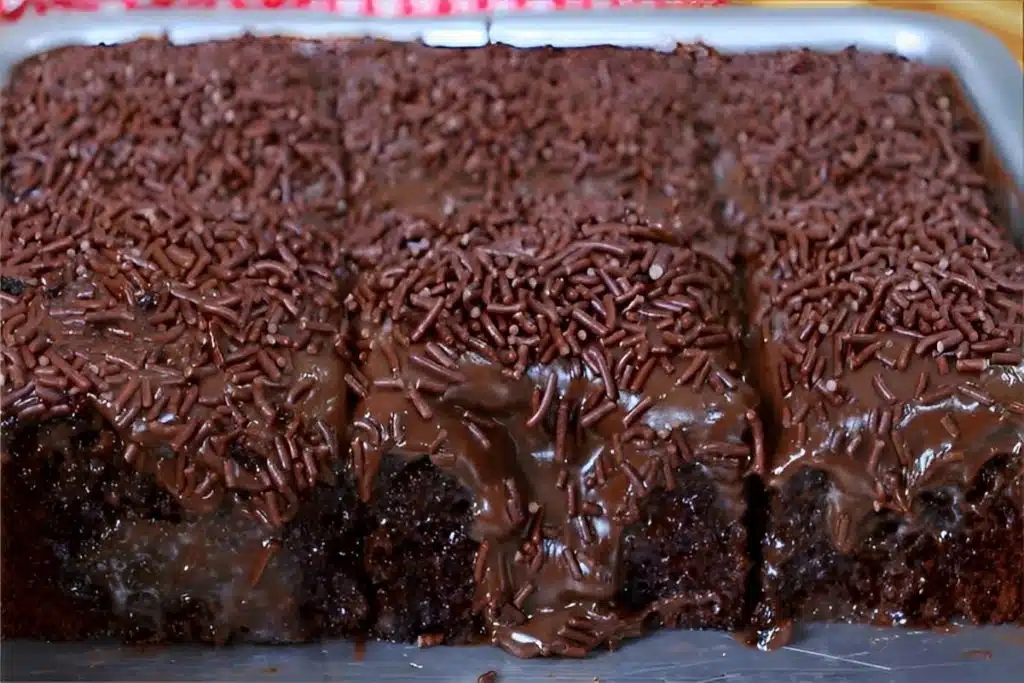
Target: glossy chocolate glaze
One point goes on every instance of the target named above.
(934, 432)
(172, 369)
(477, 431)
(550, 502)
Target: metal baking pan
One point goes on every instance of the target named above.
(991, 79)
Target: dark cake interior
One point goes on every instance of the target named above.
(543, 347)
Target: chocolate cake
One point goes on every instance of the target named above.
(573, 368)
(175, 350)
(308, 339)
(886, 320)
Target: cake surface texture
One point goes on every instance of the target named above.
(547, 347)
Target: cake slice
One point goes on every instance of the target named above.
(428, 129)
(175, 352)
(886, 323)
(173, 391)
(890, 352)
(557, 382)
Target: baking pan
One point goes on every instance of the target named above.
(826, 652)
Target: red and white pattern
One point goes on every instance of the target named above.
(13, 10)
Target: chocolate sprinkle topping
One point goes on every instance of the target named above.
(160, 281)
(343, 304)
(880, 280)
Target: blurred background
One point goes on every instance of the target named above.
(1005, 18)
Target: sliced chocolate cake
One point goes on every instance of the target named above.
(887, 314)
(570, 371)
(175, 350)
(308, 339)
(894, 366)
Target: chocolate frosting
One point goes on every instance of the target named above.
(218, 378)
(549, 516)
(558, 454)
(936, 431)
